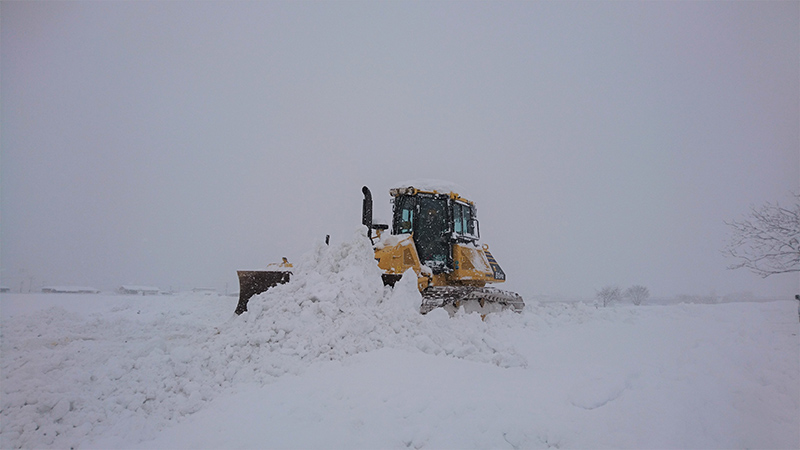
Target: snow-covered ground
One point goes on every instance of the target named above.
(335, 360)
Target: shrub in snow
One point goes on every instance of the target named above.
(767, 242)
(608, 295)
(637, 294)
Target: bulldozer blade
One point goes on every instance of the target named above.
(254, 282)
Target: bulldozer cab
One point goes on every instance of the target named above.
(436, 221)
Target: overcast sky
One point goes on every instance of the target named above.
(172, 143)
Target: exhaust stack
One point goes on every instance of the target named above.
(366, 208)
(366, 214)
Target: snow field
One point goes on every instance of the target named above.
(682, 376)
(66, 375)
(596, 378)
(335, 359)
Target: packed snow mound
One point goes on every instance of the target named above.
(110, 371)
(336, 305)
(97, 371)
(163, 365)
(67, 376)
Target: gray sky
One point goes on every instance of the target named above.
(172, 143)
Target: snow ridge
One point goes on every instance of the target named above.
(335, 359)
(335, 306)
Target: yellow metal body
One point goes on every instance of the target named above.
(473, 265)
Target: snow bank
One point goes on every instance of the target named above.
(66, 378)
(70, 290)
(69, 372)
(335, 359)
(700, 376)
(336, 306)
(138, 290)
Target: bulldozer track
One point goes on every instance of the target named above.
(455, 296)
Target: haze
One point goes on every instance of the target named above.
(172, 143)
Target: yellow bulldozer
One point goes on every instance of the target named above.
(435, 233)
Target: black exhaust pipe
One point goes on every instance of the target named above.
(366, 210)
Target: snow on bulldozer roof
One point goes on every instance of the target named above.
(432, 185)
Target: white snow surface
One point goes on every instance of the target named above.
(139, 288)
(71, 289)
(334, 359)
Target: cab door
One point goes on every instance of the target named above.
(432, 233)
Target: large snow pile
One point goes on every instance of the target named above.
(335, 359)
(336, 305)
(58, 388)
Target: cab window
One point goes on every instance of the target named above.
(404, 215)
(469, 224)
(462, 219)
(458, 223)
(406, 221)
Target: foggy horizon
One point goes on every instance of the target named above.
(170, 144)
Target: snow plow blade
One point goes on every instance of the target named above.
(254, 282)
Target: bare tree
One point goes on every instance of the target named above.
(767, 241)
(608, 295)
(637, 294)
